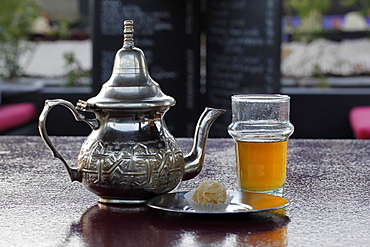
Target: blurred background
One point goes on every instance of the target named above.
(200, 52)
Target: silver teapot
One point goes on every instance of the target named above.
(130, 155)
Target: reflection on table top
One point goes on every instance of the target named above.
(328, 189)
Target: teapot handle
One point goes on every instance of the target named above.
(74, 173)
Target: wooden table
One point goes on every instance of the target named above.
(328, 188)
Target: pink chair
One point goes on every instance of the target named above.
(359, 118)
(16, 115)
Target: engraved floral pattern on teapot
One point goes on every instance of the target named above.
(151, 165)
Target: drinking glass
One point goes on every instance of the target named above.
(260, 128)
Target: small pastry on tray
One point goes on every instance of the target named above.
(210, 196)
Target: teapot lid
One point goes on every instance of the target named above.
(130, 85)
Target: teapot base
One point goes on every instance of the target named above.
(120, 201)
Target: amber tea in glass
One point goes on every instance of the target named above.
(261, 128)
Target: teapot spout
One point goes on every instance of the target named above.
(194, 160)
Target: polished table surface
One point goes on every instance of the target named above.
(328, 186)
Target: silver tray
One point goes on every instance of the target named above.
(243, 202)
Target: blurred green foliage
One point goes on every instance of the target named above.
(363, 6)
(75, 72)
(303, 8)
(310, 13)
(16, 17)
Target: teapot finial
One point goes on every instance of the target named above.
(128, 34)
(130, 85)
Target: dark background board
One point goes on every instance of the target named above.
(168, 33)
(243, 52)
